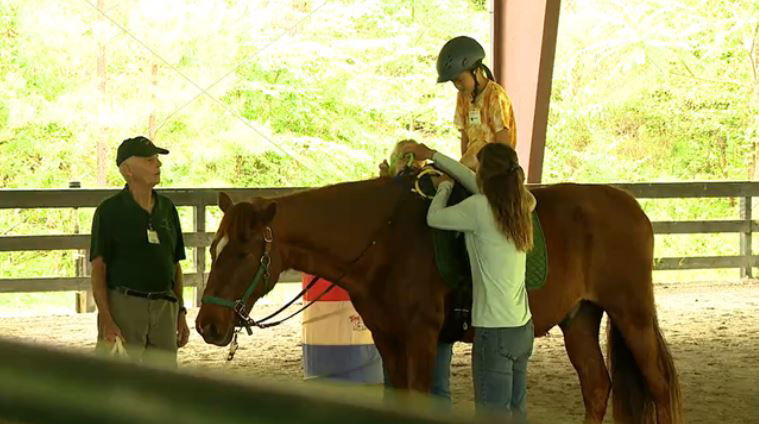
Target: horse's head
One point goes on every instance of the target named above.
(243, 268)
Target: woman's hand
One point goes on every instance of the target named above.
(437, 179)
(420, 151)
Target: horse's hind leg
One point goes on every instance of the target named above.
(581, 343)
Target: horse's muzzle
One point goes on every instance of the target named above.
(212, 333)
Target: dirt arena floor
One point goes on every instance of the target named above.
(712, 330)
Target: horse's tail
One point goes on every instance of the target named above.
(631, 397)
(632, 401)
(670, 372)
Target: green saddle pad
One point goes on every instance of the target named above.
(537, 258)
(453, 261)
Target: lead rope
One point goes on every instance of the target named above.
(249, 322)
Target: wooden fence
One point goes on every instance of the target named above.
(43, 386)
(198, 239)
(202, 199)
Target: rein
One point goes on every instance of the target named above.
(263, 274)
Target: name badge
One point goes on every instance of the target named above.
(153, 237)
(474, 117)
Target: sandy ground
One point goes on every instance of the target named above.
(711, 329)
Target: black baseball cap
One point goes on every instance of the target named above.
(137, 146)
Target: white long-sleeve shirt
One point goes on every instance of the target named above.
(498, 268)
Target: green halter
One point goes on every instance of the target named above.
(262, 274)
(395, 158)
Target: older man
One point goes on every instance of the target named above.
(135, 252)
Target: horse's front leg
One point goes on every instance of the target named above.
(420, 359)
(393, 356)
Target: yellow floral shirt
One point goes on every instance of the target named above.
(490, 113)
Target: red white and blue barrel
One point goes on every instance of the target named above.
(336, 344)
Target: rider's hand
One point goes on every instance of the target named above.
(384, 169)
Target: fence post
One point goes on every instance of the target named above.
(746, 271)
(199, 226)
(84, 300)
(88, 303)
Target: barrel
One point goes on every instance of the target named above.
(336, 344)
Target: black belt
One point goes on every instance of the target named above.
(147, 295)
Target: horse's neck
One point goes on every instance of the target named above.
(328, 232)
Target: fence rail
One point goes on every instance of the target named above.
(44, 386)
(202, 199)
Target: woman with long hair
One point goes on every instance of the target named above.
(497, 225)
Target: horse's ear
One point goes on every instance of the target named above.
(225, 202)
(268, 212)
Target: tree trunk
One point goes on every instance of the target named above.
(753, 130)
(102, 103)
(153, 89)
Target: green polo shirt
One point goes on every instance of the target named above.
(120, 235)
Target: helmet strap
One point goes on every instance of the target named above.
(476, 84)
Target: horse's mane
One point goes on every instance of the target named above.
(237, 220)
(374, 187)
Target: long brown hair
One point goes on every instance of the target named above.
(501, 180)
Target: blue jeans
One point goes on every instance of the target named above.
(441, 373)
(499, 369)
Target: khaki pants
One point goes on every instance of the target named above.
(149, 328)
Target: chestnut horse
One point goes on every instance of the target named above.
(372, 237)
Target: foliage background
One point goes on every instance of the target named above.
(306, 93)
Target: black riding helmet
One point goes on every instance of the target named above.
(458, 55)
